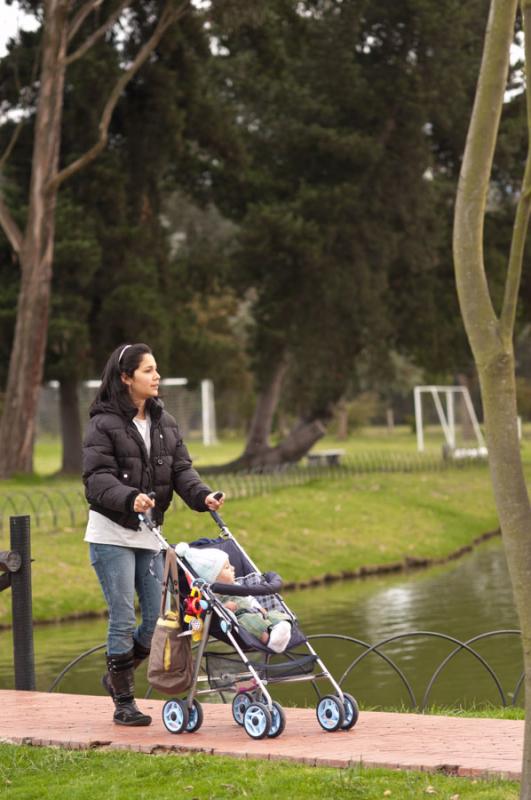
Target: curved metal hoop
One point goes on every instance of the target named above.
(463, 646)
(375, 648)
(433, 634)
(370, 649)
(73, 664)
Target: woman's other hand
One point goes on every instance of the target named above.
(142, 503)
(214, 500)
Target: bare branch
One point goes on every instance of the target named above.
(167, 18)
(10, 227)
(101, 31)
(81, 16)
(521, 222)
(477, 310)
(25, 103)
(12, 142)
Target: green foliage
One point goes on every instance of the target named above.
(330, 135)
(360, 411)
(343, 110)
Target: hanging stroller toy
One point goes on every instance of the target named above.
(253, 664)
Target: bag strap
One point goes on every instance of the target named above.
(170, 572)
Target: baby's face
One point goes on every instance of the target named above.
(227, 574)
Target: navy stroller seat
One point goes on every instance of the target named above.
(265, 587)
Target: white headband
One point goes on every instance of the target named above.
(123, 351)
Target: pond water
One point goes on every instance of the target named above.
(462, 599)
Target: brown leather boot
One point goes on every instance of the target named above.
(121, 676)
(140, 653)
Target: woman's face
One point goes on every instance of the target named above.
(145, 380)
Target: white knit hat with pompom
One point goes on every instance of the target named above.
(207, 562)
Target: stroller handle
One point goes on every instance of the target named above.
(217, 519)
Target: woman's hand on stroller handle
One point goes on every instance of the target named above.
(214, 500)
(143, 502)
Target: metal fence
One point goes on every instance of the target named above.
(365, 650)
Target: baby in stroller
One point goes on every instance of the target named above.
(271, 627)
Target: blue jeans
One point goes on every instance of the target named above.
(121, 571)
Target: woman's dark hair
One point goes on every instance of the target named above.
(125, 358)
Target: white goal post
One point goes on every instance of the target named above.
(446, 415)
(194, 409)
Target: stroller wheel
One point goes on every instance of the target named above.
(175, 716)
(195, 717)
(239, 706)
(352, 712)
(278, 721)
(257, 720)
(330, 713)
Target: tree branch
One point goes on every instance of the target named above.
(475, 301)
(521, 222)
(168, 17)
(101, 31)
(81, 16)
(10, 227)
(25, 103)
(12, 142)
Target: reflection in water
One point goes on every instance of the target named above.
(462, 599)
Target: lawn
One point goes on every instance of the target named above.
(367, 440)
(49, 774)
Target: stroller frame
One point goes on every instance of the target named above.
(265, 716)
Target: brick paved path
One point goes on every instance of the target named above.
(471, 747)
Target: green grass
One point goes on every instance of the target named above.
(47, 458)
(483, 711)
(49, 774)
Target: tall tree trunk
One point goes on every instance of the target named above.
(26, 365)
(258, 453)
(498, 391)
(266, 405)
(301, 439)
(70, 426)
(35, 247)
(491, 337)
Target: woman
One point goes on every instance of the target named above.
(133, 461)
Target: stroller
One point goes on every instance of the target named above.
(250, 666)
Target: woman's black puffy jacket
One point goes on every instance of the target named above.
(116, 466)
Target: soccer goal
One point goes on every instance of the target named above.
(444, 398)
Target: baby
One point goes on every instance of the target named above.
(273, 628)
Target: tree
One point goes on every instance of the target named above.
(340, 107)
(67, 33)
(491, 333)
(118, 272)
